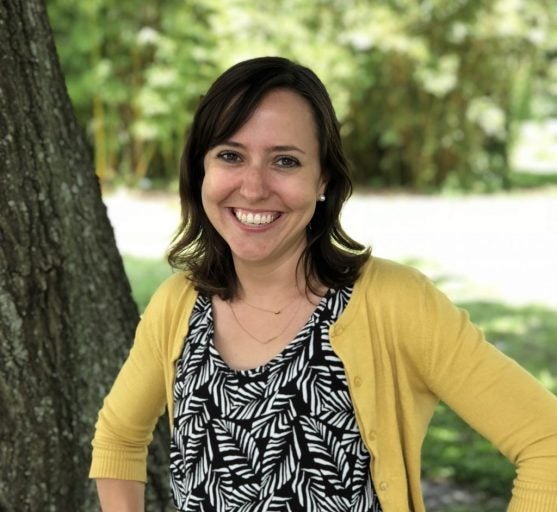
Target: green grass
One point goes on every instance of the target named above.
(452, 449)
(466, 508)
(145, 275)
(531, 180)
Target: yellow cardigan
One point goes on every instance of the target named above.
(404, 346)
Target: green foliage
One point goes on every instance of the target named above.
(429, 93)
(529, 180)
(134, 71)
(445, 82)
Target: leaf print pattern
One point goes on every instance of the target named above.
(238, 449)
(327, 452)
(281, 460)
(281, 437)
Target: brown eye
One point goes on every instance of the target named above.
(229, 156)
(287, 161)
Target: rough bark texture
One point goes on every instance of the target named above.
(66, 313)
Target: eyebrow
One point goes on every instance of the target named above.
(272, 148)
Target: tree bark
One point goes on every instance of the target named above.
(67, 317)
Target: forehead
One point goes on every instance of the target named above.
(286, 98)
(283, 114)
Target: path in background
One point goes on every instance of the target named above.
(500, 247)
(492, 247)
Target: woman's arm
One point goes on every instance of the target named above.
(130, 411)
(497, 398)
(120, 495)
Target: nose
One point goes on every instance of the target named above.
(254, 186)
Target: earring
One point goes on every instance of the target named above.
(321, 198)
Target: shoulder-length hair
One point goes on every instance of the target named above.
(331, 257)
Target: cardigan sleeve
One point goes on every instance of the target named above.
(495, 396)
(132, 407)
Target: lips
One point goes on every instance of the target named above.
(255, 218)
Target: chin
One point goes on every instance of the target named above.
(251, 257)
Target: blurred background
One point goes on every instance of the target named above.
(449, 118)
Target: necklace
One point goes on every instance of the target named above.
(273, 311)
(264, 341)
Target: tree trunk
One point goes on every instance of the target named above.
(66, 313)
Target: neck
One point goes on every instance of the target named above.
(282, 280)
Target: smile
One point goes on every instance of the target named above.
(255, 219)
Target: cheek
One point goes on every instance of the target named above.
(204, 192)
(208, 198)
(210, 188)
(210, 204)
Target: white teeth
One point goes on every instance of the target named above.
(254, 219)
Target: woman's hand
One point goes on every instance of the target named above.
(121, 495)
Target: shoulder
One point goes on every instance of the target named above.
(398, 293)
(404, 296)
(386, 289)
(174, 290)
(386, 278)
(400, 306)
(165, 319)
(171, 303)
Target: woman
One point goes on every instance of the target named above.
(299, 372)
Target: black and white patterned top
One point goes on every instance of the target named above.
(281, 437)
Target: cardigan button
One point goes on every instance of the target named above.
(358, 381)
(372, 435)
(383, 486)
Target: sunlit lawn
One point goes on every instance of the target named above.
(452, 450)
(145, 275)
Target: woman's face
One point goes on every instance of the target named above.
(261, 186)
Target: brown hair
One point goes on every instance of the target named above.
(331, 257)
